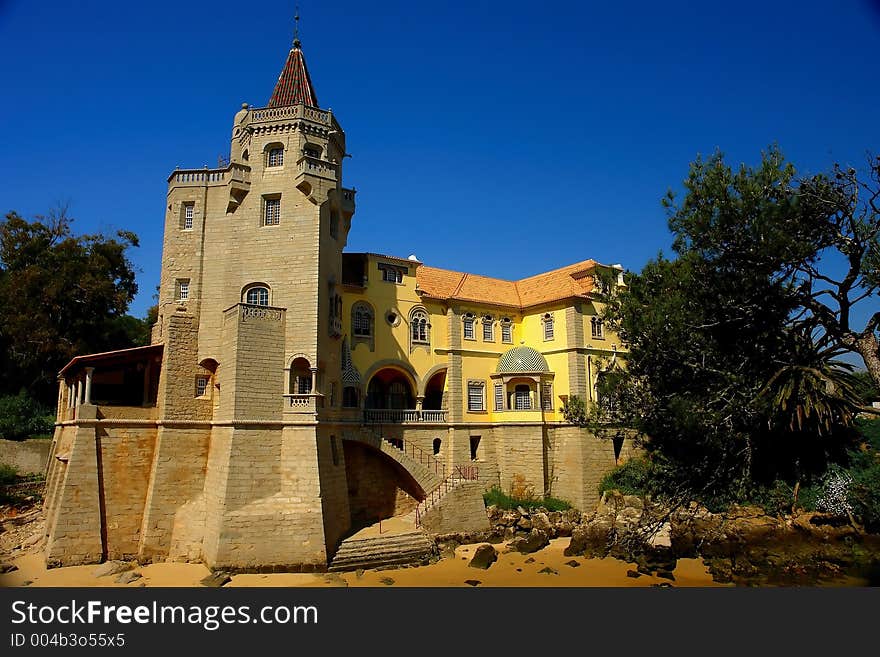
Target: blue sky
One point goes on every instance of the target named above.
(500, 138)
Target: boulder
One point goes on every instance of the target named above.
(112, 568)
(547, 570)
(524, 523)
(591, 539)
(633, 502)
(662, 538)
(7, 568)
(541, 521)
(484, 556)
(535, 541)
(472, 582)
(387, 581)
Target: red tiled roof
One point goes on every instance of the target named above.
(120, 355)
(294, 86)
(571, 281)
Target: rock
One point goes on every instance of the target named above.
(27, 582)
(112, 568)
(128, 577)
(335, 579)
(564, 528)
(7, 568)
(634, 502)
(591, 539)
(524, 523)
(573, 563)
(522, 511)
(541, 521)
(535, 541)
(359, 573)
(530, 560)
(519, 570)
(547, 570)
(662, 585)
(662, 538)
(472, 582)
(635, 574)
(33, 539)
(216, 579)
(484, 557)
(509, 519)
(387, 581)
(628, 516)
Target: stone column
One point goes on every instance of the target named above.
(88, 391)
(76, 397)
(314, 371)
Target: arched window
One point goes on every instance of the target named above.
(398, 395)
(506, 330)
(257, 295)
(488, 329)
(419, 327)
(436, 445)
(300, 377)
(522, 398)
(598, 330)
(361, 320)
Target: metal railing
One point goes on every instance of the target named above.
(459, 474)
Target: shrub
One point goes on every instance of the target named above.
(21, 416)
(635, 477)
(497, 497)
(8, 474)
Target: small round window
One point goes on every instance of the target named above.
(392, 318)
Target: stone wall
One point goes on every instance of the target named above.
(377, 489)
(26, 456)
(459, 510)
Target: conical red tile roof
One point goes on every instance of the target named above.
(294, 86)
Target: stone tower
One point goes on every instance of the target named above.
(250, 313)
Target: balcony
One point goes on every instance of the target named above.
(403, 416)
(302, 403)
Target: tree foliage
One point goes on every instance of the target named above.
(60, 295)
(727, 373)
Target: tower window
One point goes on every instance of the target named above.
(182, 290)
(276, 157)
(257, 296)
(272, 212)
(391, 274)
(310, 150)
(201, 386)
(598, 330)
(188, 213)
(362, 320)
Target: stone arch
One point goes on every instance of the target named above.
(391, 387)
(423, 382)
(393, 363)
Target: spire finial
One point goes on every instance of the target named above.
(296, 42)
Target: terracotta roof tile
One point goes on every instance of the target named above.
(574, 280)
(294, 86)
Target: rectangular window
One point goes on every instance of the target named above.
(188, 212)
(598, 331)
(272, 212)
(522, 400)
(182, 289)
(276, 157)
(506, 332)
(475, 447)
(499, 397)
(475, 397)
(547, 396)
(488, 330)
(468, 328)
(548, 328)
(201, 386)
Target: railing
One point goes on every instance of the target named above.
(302, 403)
(249, 311)
(396, 416)
(211, 177)
(459, 474)
(317, 167)
(262, 114)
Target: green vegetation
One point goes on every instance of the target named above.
(497, 497)
(22, 417)
(8, 474)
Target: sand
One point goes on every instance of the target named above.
(511, 569)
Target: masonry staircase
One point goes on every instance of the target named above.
(378, 551)
(427, 471)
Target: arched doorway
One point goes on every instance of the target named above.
(391, 389)
(434, 392)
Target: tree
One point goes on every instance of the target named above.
(60, 295)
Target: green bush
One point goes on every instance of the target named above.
(497, 497)
(8, 474)
(21, 416)
(638, 476)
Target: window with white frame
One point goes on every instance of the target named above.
(257, 296)
(506, 330)
(182, 291)
(475, 396)
(598, 330)
(272, 212)
(522, 400)
(488, 329)
(468, 321)
(188, 214)
(499, 397)
(275, 157)
(419, 327)
(547, 319)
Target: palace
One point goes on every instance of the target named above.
(294, 393)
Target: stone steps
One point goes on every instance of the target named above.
(394, 550)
